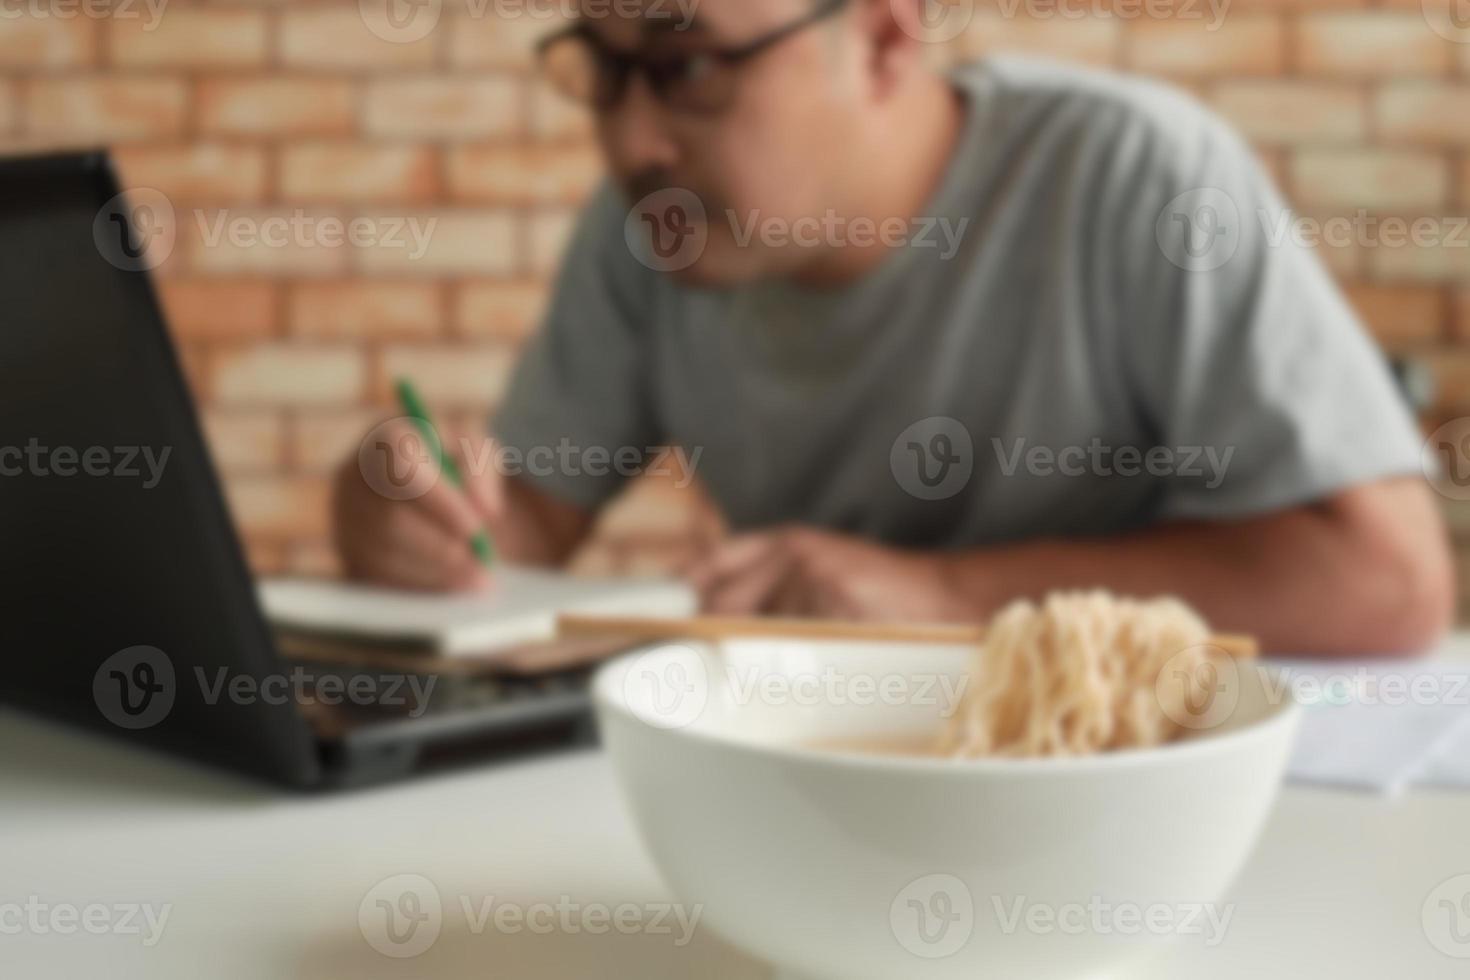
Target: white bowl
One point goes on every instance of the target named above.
(839, 864)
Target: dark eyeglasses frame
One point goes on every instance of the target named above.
(659, 70)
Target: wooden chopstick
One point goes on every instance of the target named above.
(1238, 646)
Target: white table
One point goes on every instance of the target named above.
(261, 884)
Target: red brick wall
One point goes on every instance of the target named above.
(257, 108)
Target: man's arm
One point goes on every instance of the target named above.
(1367, 570)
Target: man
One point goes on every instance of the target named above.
(1072, 356)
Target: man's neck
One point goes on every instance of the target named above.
(905, 160)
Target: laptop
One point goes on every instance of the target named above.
(127, 603)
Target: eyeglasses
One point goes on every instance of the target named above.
(584, 69)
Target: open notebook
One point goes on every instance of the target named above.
(522, 608)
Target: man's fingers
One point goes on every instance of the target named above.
(731, 558)
(752, 588)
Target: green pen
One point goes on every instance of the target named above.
(413, 407)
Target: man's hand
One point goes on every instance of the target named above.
(399, 522)
(799, 571)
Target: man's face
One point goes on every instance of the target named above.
(771, 154)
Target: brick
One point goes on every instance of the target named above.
(355, 310)
(1090, 41)
(46, 42)
(245, 442)
(283, 374)
(1451, 370)
(340, 38)
(525, 174)
(1294, 111)
(187, 38)
(1370, 44)
(1370, 179)
(495, 42)
(280, 508)
(445, 108)
(1400, 316)
(551, 231)
(219, 310)
(1424, 112)
(1242, 45)
(101, 110)
(320, 440)
(467, 243)
(274, 242)
(1442, 253)
(279, 106)
(358, 172)
(508, 311)
(555, 117)
(455, 377)
(199, 172)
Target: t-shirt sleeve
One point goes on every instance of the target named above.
(1236, 339)
(578, 416)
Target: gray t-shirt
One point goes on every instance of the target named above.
(1122, 336)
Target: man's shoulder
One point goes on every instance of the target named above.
(1036, 98)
